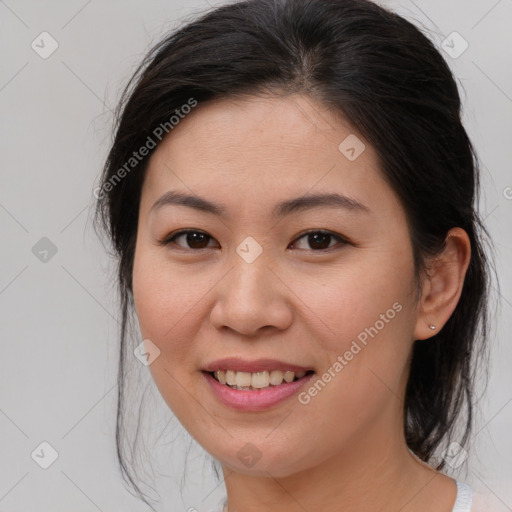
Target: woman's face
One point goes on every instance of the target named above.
(298, 258)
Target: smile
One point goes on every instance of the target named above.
(247, 381)
(275, 387)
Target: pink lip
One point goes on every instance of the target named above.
(259, 365)
(256, 400)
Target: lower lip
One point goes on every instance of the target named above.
(256, 400)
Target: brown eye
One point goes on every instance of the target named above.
(319, 240)
(192, 239)
(197, 240)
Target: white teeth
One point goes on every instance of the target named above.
(243, 379)
(276, 377)
(289, 376)
(257, 380)
(260, 380)
(231, 377)
(221, 376)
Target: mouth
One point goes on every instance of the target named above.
(254, 381)
(257, 385)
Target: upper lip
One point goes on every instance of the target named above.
(258, 365)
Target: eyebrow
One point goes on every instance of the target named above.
(306, 202)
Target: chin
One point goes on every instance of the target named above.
(260, 460)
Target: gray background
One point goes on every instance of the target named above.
(58, 311)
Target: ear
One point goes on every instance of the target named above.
(442, 284)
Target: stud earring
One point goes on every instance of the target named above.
(432, 326)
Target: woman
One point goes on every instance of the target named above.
(291, 197)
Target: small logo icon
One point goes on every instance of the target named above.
(351, 147)
(454, 45)
(44, 250)
(44, 455)
(249, 455)
(146, 352)
(507, 192)
(249, 249)
(44, 45)
(455, 455)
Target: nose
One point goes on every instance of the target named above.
(250, 299)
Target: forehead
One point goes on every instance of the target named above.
(265, 147)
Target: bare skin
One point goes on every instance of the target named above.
(344, 450)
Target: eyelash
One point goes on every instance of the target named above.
(173, 236)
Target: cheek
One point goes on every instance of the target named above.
(364, 300)
(166, 304)
(368, 318)
(158, 299)
(168, 301)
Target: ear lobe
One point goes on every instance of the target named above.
(442, 284)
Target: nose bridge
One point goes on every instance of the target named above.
(250, 277)
(251, 296)
(250, 272)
